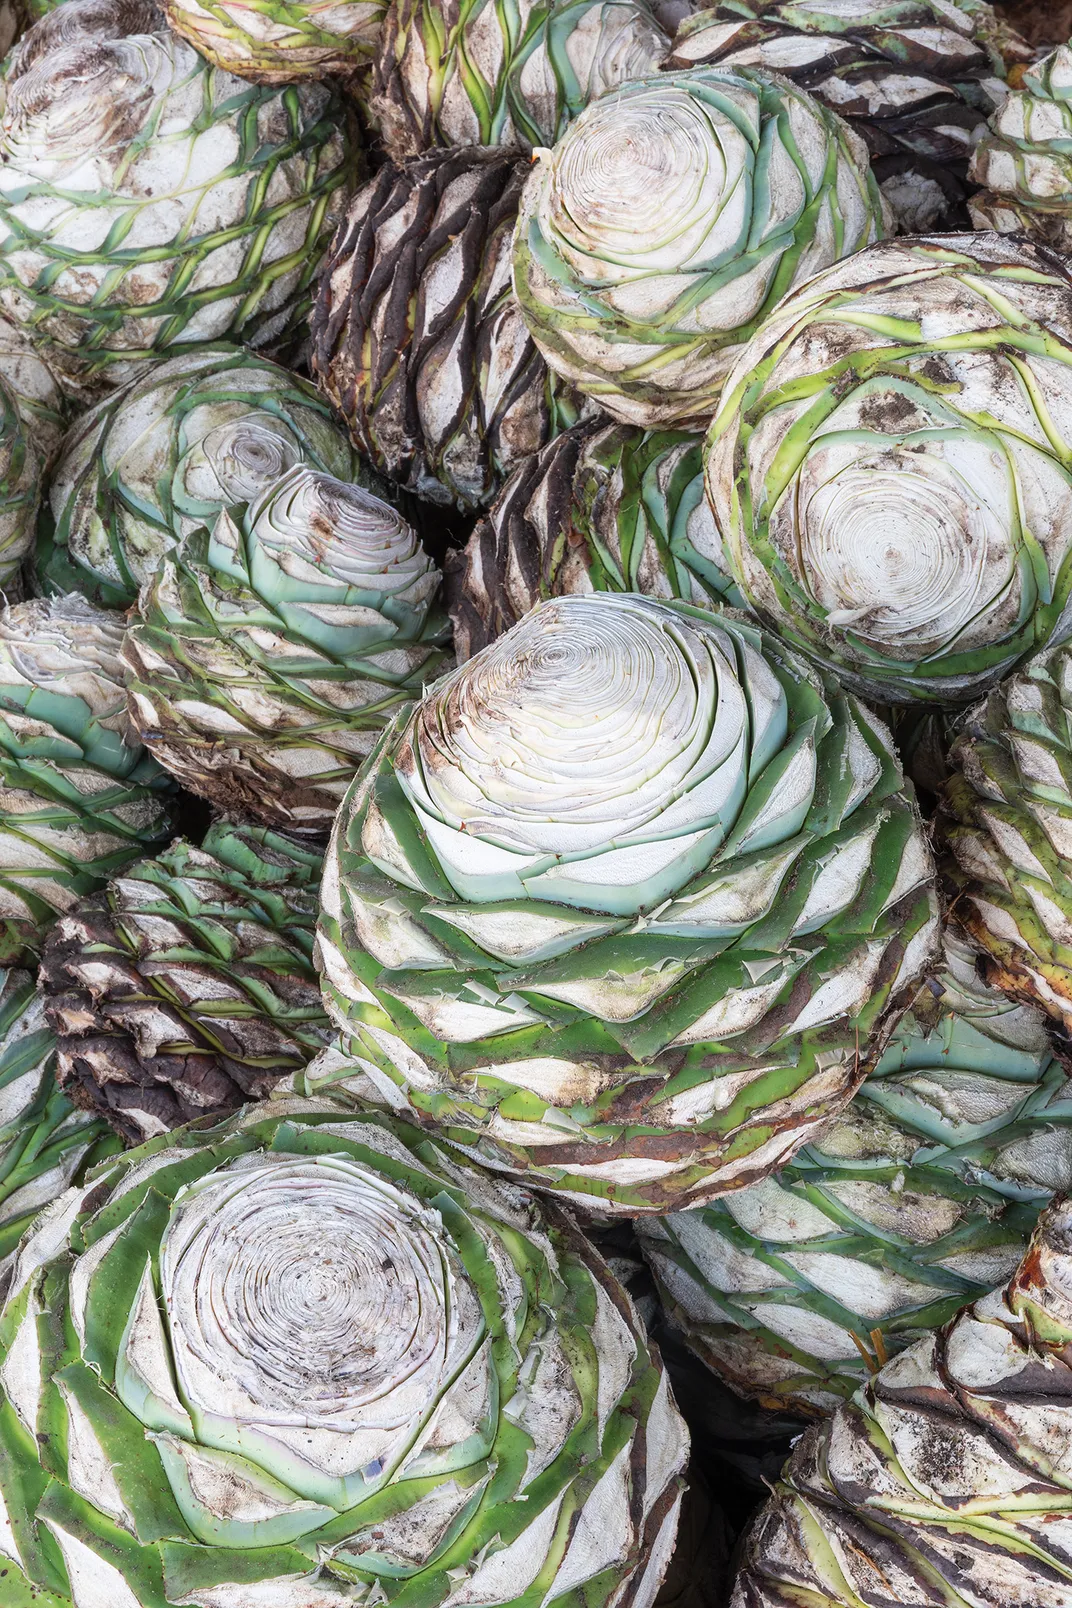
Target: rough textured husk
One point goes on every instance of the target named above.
(589, 1072)
(281, 41)
(601, 508)
(469, 72)
(920, 1197)
(916, 80)
(1024, 163)
(46, 1143)
(117, 242)
(148, 465)
(417, 337)
(888, 469)
(187, 987)
(348, 1265)
(949, 1478)
(1007, 817)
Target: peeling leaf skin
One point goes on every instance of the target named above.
(266, 657)
(418, 340)
(46, 1143)
(915, 80)
(948, 1479)
(307, 1358)
(79, 796)
(669, 219)
(149, 201)
(166, 454)
(917, 1199)
(469, 72)
(622, 907)
(1007, 817)
(187, 986)
(1023, 162)
(887, 467)
(281, 41)
(602, 508)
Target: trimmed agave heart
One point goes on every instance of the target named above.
(620, 905)
(306, 1359)
(267, 655)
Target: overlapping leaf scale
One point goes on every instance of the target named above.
(188, 986)
(163, 456)
(919, 1198)
(267, 655)
(1008, 821)
(639, 1062)
(469, 72)
(46, 1143)
(915, 79)
(149, 200)
(601, 507)
(890, 467)
(79, 796)
(460, 1406)
(1023, 162)
(948, 1479)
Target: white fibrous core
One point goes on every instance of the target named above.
(645, 185)
(318, 530)
(317, 1308)
(85, 103)
(594, 719)
(903, 548)
(247, 455)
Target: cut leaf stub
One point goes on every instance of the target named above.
(621, 906)
(946, 1479)
(312, 1351)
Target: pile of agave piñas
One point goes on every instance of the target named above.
(535, 805)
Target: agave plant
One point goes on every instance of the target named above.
(187, 986)
(620, 905)
(1008, 805)
(305, 1359)
(888, 471)
(1024, 163)
(916, 79)
(948, 1479)
(267, 654)
(31, 428)
(918, 1198)
(80, 797)
(417, 339)
(602, 508)
(46, 1144)
(669, 219)
(471, 73)
(280, 41)
(165, 455)
(148, 200)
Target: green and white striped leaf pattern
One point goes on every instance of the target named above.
(669, 220)
(308, 1359)
(621, 904)
(919, 1198)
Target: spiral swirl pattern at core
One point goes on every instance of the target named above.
(888, 467)
(669, 219)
